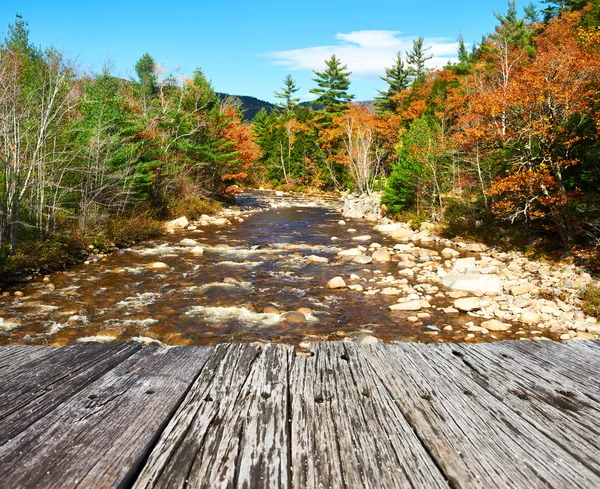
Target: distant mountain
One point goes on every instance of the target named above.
(251, 105)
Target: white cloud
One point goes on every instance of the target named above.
(366, 53)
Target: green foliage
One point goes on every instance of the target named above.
(145, 69)
(591, 300)
(416, 178)
(289, 102)
(333, 85)
(417, 57)
(400, 192)
(555, 7)
(398, 79)
(512, 30)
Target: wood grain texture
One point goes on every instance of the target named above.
(36, 388)
(476, 439)
(346, 429)
(14, 357)
(231, 430)
(507, 414)
(100, 437)
(552, 404)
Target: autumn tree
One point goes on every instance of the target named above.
(363, 146)
(552, 99)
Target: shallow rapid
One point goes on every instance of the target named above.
(249, 275)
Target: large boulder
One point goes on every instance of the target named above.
(179, 223)
(362, 206)
(415, 305)
(464, 264)
(467, 304)
(352, 252)
(473, 282)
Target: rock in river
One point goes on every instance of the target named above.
(157, 265)
(188, 242)
(381, 255)
(363, 259)
(407, 306)
(495, 325)
(294, 317)
(472, 282)
(467, 304)
(336, 283)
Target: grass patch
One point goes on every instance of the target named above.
(591, 300)
(193, 207)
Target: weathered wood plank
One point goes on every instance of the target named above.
(346, 429)
(564, 360)
(14, 357)
(230, 429)
(36, 388)
(100, 437)
(477, 440)
(552, 404)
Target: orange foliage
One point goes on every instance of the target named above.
(363, 141)
(241, 135)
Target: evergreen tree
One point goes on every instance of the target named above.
(145, 72)
(463, 54)
(531, 14)
(556, 7)
(289, 102)
(512, 30)
(333, 84)
(417, 58)
(398, 79)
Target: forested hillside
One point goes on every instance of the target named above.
(96, 159)
(502, 145)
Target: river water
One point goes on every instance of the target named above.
(221, 295)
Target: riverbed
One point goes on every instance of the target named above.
(250, 274)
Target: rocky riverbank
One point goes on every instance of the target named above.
(502, 292)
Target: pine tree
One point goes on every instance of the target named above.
(333, 84)
(463, 54)
(146, 74)
(289, 102)
(398, 79)
(512, 30)
(556, 7)
(417, 58)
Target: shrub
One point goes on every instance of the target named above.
(193, 207)
(591, 300)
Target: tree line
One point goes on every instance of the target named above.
(504, 141)
(79, 152)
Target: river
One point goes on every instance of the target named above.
(259, 261)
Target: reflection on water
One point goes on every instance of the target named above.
(221, 295)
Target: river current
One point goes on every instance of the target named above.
(257, 262)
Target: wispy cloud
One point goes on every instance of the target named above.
(366, 53)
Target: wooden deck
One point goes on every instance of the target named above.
(510, 414)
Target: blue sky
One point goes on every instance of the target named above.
(247, 48)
